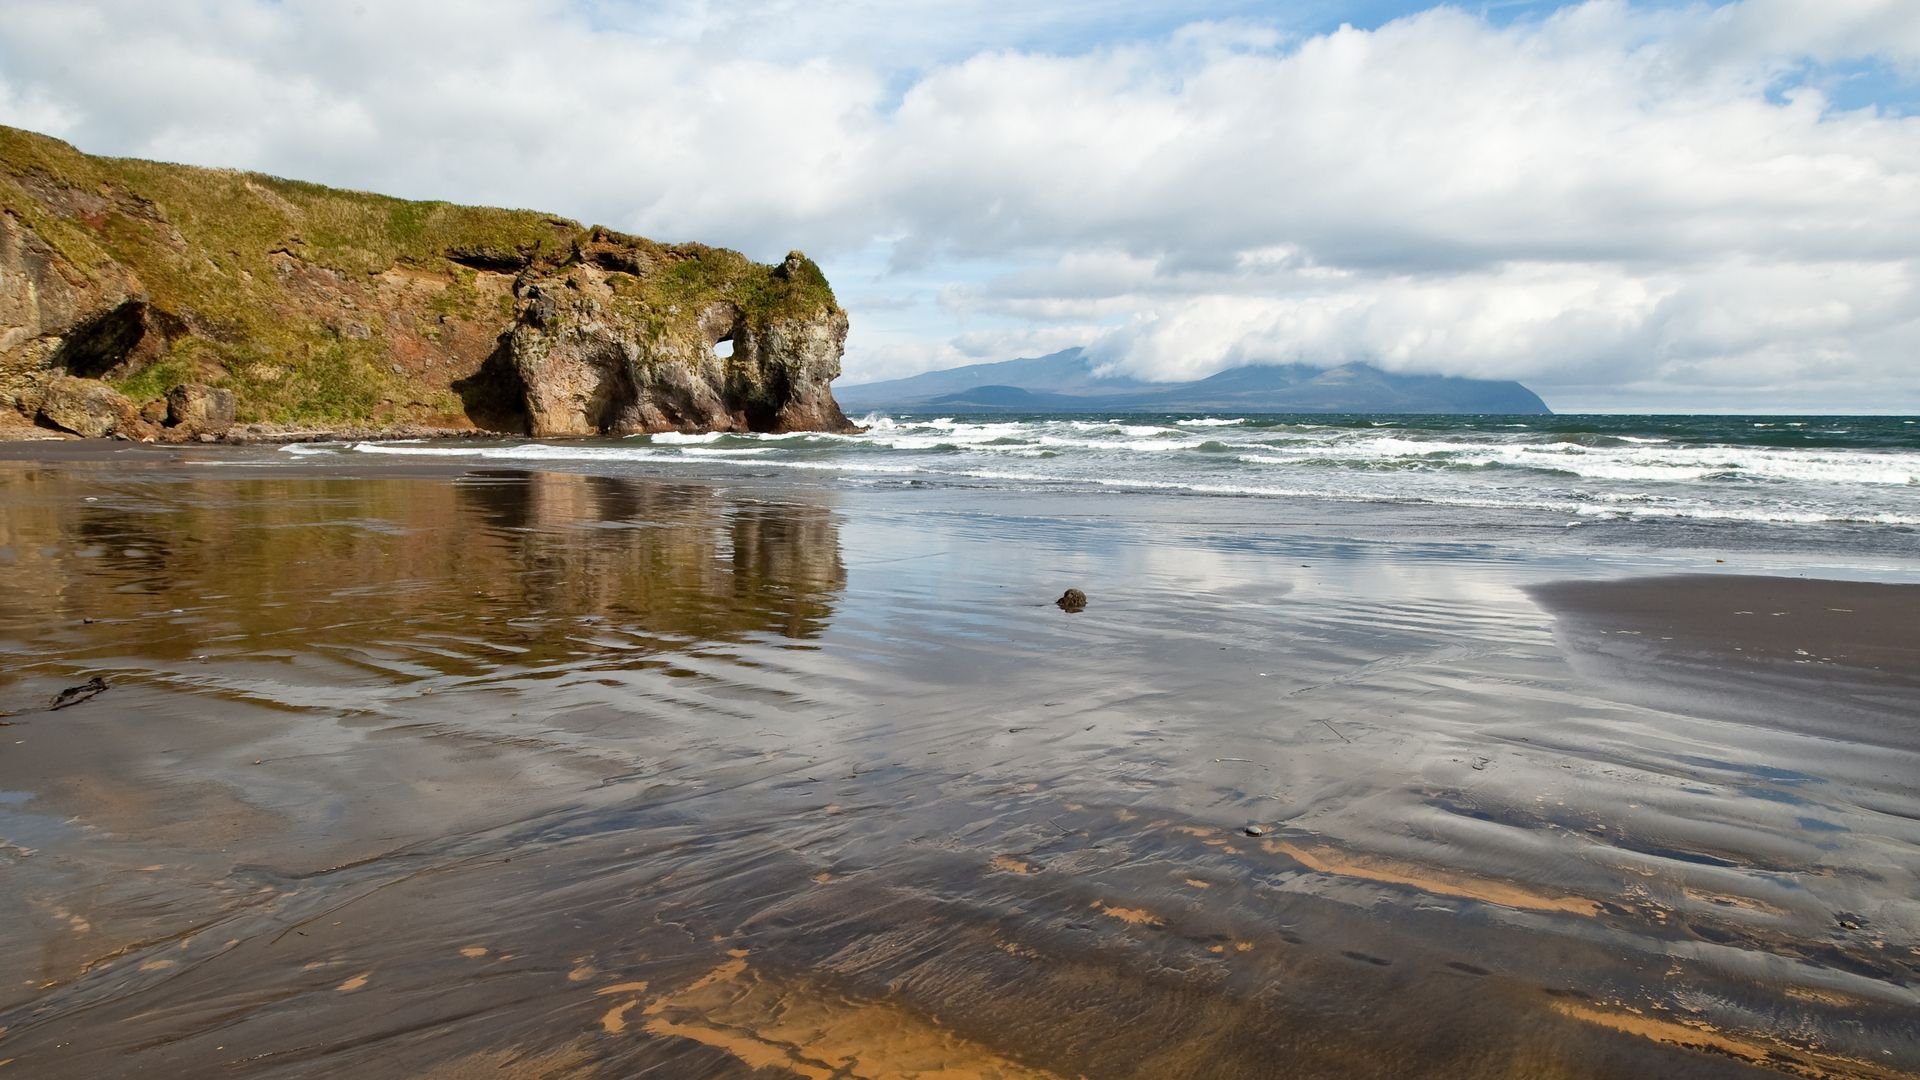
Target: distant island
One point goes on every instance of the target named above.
(1066, 381)
(145, 301)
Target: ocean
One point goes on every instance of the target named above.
(1782, 470)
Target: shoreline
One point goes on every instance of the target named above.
(258, 434)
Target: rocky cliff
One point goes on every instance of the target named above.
(257, 299)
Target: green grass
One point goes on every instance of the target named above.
(156, 379)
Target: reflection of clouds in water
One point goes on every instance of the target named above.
(1433, 581)
(1190, 567)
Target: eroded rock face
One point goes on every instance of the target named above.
(200, 410)
(604, 349)
(50, 309)
(91, 408)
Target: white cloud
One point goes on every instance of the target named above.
(1631, 205)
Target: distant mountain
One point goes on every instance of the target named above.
(1064, 372)
(1064, 382)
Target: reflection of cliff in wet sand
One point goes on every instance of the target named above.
(507, 553)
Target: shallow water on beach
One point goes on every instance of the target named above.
(419, 769)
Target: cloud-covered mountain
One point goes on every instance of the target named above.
(1066, 381)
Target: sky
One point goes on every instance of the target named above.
(1627, 206)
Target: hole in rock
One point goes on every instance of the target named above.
(97, 346)
(723, 348)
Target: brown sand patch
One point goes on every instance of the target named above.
(1706, 1037)
(822, 877)
(1822, 996)
(615, 1020)
(76, 923)
(354, 983)
(1325, 860)
(766, 1023)
(622, 988)
(1011, 865)
(1133, 916)
(725, 973)
(474, 952)
(1198, 884)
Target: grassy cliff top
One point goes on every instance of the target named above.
(212, 248)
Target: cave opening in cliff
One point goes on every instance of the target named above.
(610, 406)
(494, 396)
(723, 348)
(102, 343)
(763, 409)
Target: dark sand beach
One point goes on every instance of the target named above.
(419, 768)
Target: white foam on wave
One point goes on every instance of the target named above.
(1658, 463)
(521, 452)
(671, 438)
(1208, 421)
(1630, 497)
(1136, 446)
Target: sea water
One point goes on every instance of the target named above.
(1807, 470)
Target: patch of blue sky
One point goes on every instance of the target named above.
(1866, 83)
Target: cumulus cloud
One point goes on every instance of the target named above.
(1620, 205)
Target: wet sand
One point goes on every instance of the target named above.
(453, 771)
